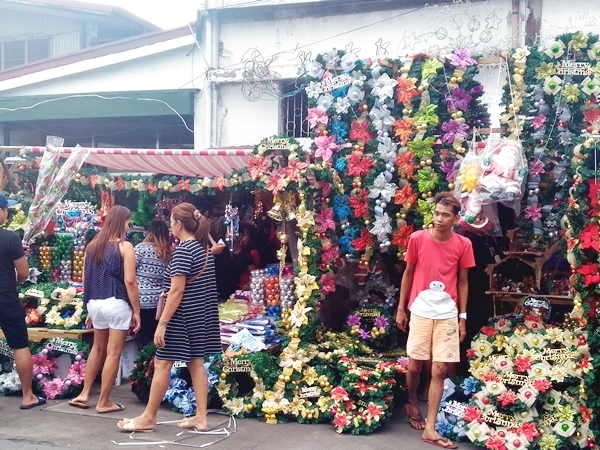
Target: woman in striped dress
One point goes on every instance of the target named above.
(188, 328)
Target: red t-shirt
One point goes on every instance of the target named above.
(437, 261)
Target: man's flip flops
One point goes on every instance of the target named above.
(41, 401)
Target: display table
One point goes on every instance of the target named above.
(39, 334)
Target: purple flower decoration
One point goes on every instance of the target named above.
(536, 169)
(539, 121)
(448, 169)
(458, 99)
(381, 322)
(462, 58)
(477, 90)
(353, 320)
(454, 129)
(363, 334)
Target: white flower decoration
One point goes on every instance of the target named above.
(382, 188)
(358, 78)
(512, 439)
(520, 56)
(555, 49)
(534, 340)
(591, 86)
(503, 364)
(382, 119)
(478, 431)
(552, 86)
(387, 149)
(515, 344)
(355, 94)
(298, 316)
(314, 89)
(324, 102)
(540, 370)
(567, 431)
(526, 416)
(383, 87)
(235, 405)
(503, 325)
(594, 52)
(382, 227)
(573, 370)
(558, 373)
(528, 395)
(495, 387)
(342, 105)
(348, 62)
(552, 400)
(570, 339)
(331, 57)
(315, 69)
(482, 348)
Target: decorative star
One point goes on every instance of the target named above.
(492, 22)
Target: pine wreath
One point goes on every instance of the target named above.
(143, 372)
(373, 325)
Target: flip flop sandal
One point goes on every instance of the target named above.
(78, 404)
(41, 401)
(440, 443)
(185, 424)
(129, 426)
(106, 411)
(419, 420)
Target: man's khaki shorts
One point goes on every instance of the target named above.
(435, 339)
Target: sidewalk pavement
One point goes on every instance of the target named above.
(59, 426)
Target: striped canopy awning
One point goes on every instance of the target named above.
(191, 163)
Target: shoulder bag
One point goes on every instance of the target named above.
(162, 298)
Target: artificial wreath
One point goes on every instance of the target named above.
(243, 381)
(358, 416)
(143, 372)
(373, 325)
(455, 399)
(529, 385)
(311, 396)
(65, 310)
(46, 369)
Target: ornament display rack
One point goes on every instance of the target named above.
(537, 262)
(40, 334)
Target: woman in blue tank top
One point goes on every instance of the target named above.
(111, 297)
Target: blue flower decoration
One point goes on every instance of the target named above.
(469, 386)
(341, 207)
(341, 164)
(341, 92)
(345, 244)
(339, 130)
(444, 428)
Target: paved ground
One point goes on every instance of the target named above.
(58, 426)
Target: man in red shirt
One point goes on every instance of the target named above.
(434, 289)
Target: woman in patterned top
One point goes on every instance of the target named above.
(188, 328)
(152, 258)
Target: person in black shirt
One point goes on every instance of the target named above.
(12, 313)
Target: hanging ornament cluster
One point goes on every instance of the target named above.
(232, 225)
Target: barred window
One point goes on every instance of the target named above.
(294, 110)
(14, 53)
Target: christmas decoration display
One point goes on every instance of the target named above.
(455, 398)
(530, 384)
(374, 325)
(65, 310)
(10, 384)
(143, 372)
(47, 373)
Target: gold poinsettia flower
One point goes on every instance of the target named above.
(559, 373)
(259, 391)
(519, 89)
(579, 41)
(223, 389)
(295, 405)
(596, 69)
(310, 376)
(500, 343)
(526, 353)
(564, 413)
(323, 403)
(554, 334)
(294, 359)
(545, 70)
(235, 405)
(571, 93)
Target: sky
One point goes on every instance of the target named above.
(166, 14)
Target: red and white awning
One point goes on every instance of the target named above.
(191, 163)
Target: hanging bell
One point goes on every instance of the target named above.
(275, 212)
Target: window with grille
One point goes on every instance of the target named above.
(14, 53)
(294, 110)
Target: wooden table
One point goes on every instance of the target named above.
(518, 298)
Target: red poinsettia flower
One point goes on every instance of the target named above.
(364, 241)
(406, 197)
(586, 413)
(341, 420)
(507, 398)
(490, 375)
(257, 166)
(402, 235)
(362, 387)
(489, 331)
(325, 220)
(589, 236)
(360, 131)
(404, 128)
(495, 442)
(522, 363)
(593, 195)
(294, 168)
(529, 430)
(405, 163)
(327, 283)
(339, 394)
(373, 412)
(542, 385)
(359, 165)
(359, 204)
(471, 353)
(472, 413)
(590, 272)
(591, 115)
